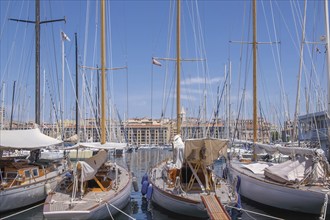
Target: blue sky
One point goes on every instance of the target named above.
(140, 30)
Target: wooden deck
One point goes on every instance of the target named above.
(214, 208)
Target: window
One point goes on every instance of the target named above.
(11, 175)
(35, 172)
(27, 173)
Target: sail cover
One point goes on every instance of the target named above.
(73, 139)
(271, 149)
(206, 150)
(25, 139)
(178, 146)
(290, 171)
(90, 166)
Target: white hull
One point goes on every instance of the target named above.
(178, 204)
(95, 202)
(187, 203)
(304, 199)
(100, 212)
(24, 195)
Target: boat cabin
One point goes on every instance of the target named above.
(20, 172)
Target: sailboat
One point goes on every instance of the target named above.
(300, 184)
(97, 188)
(186, 184)
(27, 181)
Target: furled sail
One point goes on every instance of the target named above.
(88, 168)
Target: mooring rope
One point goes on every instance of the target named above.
(324, 208)
(25, 210)
(240, 209)
(109, 211)
(121, 211)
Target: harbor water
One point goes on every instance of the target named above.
(138, 163)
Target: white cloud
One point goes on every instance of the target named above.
(191, 91)
(201, 80)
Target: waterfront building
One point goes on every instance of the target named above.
(153, 132)
(313, 131)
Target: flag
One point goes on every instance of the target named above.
(156, 62)
(64, 36)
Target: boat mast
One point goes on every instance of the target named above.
(294, 134)
(12, 107)
(255, 117)
(103, 63)
(327, 43)
(2, 105)
(178, 79)
(77, 91)
(37, 23)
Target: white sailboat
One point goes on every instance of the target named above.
(187, 184)
(27, 181)
(98, 188)
(299, 184)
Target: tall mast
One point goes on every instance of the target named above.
(178, 57)
(294, 134)
(37, 86)
(37, 23)
(12, 107)
(103, 63)
(2, 105)
(77, 90)
(255, 117)
(327, 44)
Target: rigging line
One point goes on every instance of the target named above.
(55, 59)
(21, 68)
(94, 61)
(207, 85)
(168, 96)
(93, 107)
(277, 62)
(86, 35)
(71, 80)
(52, 101)
(197, 39)
(203, 51)
(53, 82)
(310, 53)
(86, 30)
(168, 50)
(241, 55)
(279, 70)
(247, 61)
(295, 15)
(110, 77)
(308, 95)
(13, 44)
(288, 29)
(4, 21)
(7, 63)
